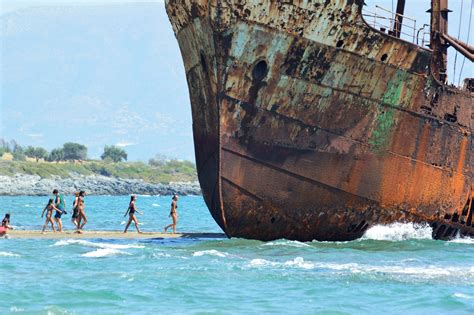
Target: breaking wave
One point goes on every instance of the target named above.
(298, 262)
(103, 249)
(97, 245)
(461, 273)
(463, 240)
(104, 252)
(463, 296)
(8, 254)
(398, 232)
(210, 252)
(287, 243)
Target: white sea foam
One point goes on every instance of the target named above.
(96, 245)
(159, 254)
(421, 272)
(299, 262)
(463, 296)
(463, 240)
(156, 205)
(210, 252)
(15, 309)
(287, 243)
(104, 252)
(8, 254)
(398, 232)
(258, 262)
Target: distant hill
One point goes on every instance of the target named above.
(95, 74)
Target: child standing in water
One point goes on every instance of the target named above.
(49, 214)
(173, 214)
(131, 212)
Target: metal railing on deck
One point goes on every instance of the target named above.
(385, 21)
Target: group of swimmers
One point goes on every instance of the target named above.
(57, 205)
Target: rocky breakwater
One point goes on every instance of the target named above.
(22, 184)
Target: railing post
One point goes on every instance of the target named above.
(439, 25)
(397, 26)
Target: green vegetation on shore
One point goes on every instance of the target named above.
(164, 172)
(72, 159)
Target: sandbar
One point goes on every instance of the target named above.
(89, 234)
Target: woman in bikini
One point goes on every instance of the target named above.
(131, 214)
(49, 214)
(75, 211)
(173, 214)
(82, 214)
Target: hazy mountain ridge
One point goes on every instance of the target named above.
(104, 74)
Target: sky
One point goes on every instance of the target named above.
(109, 72)
(97, 73)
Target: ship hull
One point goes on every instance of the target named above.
(307, 127)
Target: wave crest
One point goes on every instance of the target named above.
(8, 254)
(104, 252)
(96, 245)
(398, 232)
(211, 252)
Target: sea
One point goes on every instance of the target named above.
(396, 269)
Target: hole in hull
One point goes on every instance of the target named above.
(260, 70)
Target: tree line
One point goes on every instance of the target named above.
(70, 151)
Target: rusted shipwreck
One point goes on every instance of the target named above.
(310, 123)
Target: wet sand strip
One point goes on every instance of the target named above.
(32, 234)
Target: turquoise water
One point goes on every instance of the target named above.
(395, 269)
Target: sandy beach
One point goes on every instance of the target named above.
(36, 234)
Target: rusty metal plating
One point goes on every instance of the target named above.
(309, 124)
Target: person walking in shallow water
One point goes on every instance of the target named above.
(173, 214)
(49, 214)
(59, 203)
(81, 213)
(131, 214)
(75, 211)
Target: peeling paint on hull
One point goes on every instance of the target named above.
(308, 124)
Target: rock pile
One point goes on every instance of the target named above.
(22, 184)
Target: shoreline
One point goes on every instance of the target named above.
(34, 185)
(111, 235)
